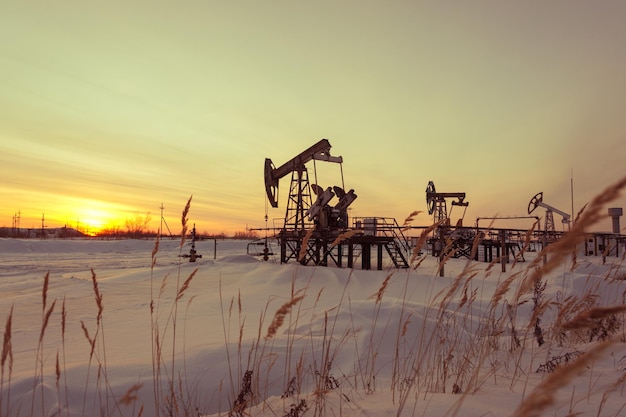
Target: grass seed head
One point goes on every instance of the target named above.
(130, 396)
(279, 317)
(344, 236)
(184, 219)
(185, 285)
(46, 320)
(422, 240)
(381, 290)
(305, 244)
(155, 250)
(589, 318)
(407, 222)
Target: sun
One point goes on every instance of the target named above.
(92, 217)
(93, 223)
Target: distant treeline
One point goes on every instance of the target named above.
(123, 234)
(38, 233)
(112, 233)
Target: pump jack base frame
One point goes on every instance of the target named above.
(320, 250)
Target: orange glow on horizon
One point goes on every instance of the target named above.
(92, 216)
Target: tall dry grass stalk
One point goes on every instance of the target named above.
(154, 330)
(57, 374)
(543, 396)
(288, 379)
(63, 328)
(102, 361)
(305, 245)
(98, 353)
(369, 370)
(226, 341)
(422, 240)
(40, 354)
(7, 353)
(98, 297)
(171, 400)
(44, 291)
(527, 241)
(46, 320)
(589, 318)
(155, 250)
(184, 220)
(618, 384)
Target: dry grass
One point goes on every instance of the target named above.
(417, 249)
(344, 236)
(7, 353)
(279, 316)
(452, 342)
(184, 219)
(590, 318)
(305, 245)
(383, 286)
(185, 286)
(543, 396)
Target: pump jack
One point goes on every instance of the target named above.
(549, 229)
(460, 240)
(302, 215)
(311, 228)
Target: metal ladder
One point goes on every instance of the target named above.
(399, 246)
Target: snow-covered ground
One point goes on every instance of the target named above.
(180, 338)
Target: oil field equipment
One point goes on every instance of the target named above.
(192, 255)
(437, 207)
(457, 241)
(615, 213)
(548, 226)
(315, 230)
(300, 211)
(302, 214)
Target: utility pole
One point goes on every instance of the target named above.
(43, 231)
(161, 226)
(163, 221)
(16, 230)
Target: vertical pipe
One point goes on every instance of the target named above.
(572, 194)
(350, 253)
(441, 242)
(339, 253)
(366, 255)
(505, 255)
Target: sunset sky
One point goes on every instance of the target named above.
(108, 109)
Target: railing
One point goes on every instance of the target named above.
(382, 226)
(398, 248)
